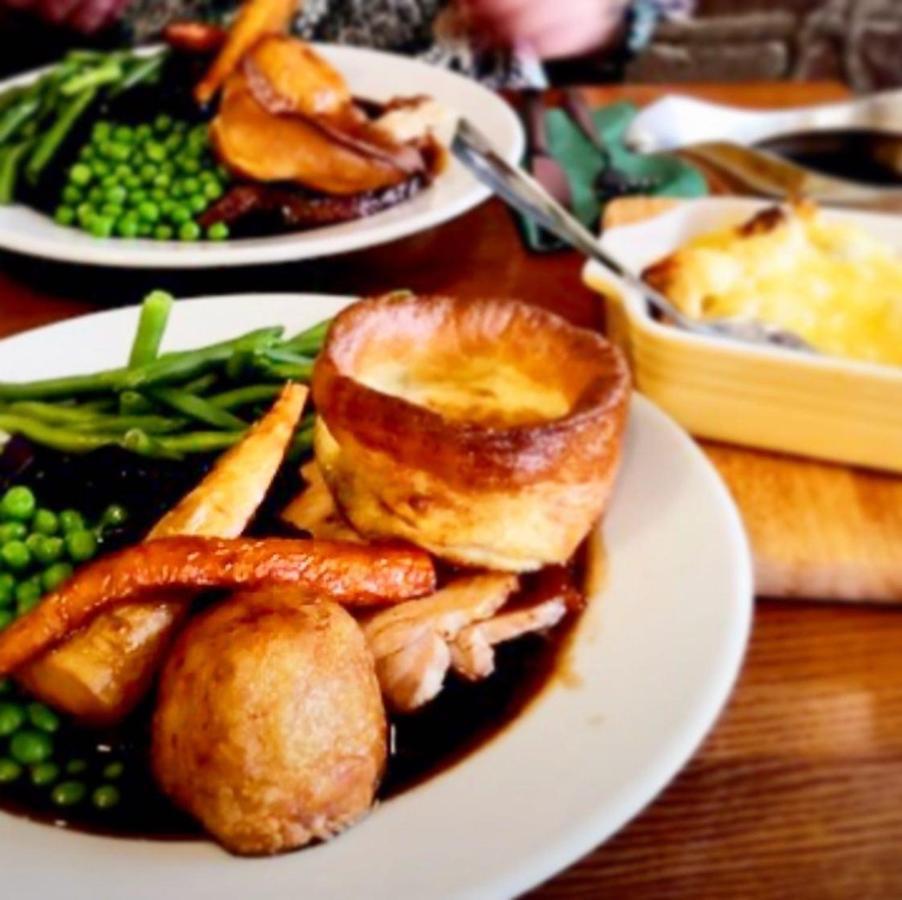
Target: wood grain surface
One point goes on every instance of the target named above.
(798, 791)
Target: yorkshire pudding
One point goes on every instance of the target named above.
(487, 432)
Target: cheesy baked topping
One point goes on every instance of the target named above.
(832, 283)
(476, 390)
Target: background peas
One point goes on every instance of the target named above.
(48, 550)
(124, 170)
(12, 531)
(71, 520)
(29, 747)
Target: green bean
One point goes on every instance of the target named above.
(169, 367)
(10, 98)
(141, 71)
(286, 371)
(150, 423)
(10, 160)
(151, 325)
(176, 446)
(198, 408)
(91, 79)
(186, 364)
(244, 396)
(302, 442)
(85, 56)
(64, 440)
(16, 116)
(202, 384)
(133, 403)
(309, 342)
(53, 138)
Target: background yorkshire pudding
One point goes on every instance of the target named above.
(486, 431)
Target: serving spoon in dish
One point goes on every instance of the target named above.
(524, 193)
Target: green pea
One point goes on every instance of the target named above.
(113, 516)
(106, 796)
(68, 793)
(148, 172)
(126, 227)
(28, 747)
(149, 211)
(101, 130)
(64, 215)
(164, 232)
(198, 203)
(12, 531)
(173, 143)
(123, 134)
(111, 211)
(218, 231)
(116, 194)
(7, 617)
(162, 181)
(80, 174)
(122, 171)
(155, 151)
(43, 717)
(33, 542)
(131, 182)
(16, 555)
(12, 718)
(44, 774)
(28, 594)
(143, 131)
(9, 770)
(162, 122)
(81, 545)
(189, 165)
(107, 182)
(145, 229)
(76, 767)
(71, 520)
(99, 168)
(180, 215)
(101, 226)
(212, 190)
(18, 504)
(45, 522)
(55, 575)
(190, 186)
(48, 550)
(85, 214)
(71, 195)
(113, 770)
(189, 231)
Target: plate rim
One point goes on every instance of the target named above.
(591, 831)
(284, 248)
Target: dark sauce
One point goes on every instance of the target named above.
(460, 720)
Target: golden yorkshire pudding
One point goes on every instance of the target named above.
(487, 432)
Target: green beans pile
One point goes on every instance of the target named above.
(149, 180)
(165, 405)
(37, 118)
(29, 751)
(39, 547)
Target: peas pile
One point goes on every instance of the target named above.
(39, 547)
(148, 181)
(28, 730)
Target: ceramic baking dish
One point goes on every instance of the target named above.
(821, 406)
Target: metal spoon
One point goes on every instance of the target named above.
(525, 194)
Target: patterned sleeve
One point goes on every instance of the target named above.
(644, 15)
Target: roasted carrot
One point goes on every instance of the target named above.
(351, 574)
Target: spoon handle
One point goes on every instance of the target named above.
(525, 194)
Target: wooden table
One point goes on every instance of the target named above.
(798, 790)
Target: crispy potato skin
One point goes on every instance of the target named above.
(269, 726)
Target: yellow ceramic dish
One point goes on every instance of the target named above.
(816, 405)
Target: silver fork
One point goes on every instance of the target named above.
(525, 194)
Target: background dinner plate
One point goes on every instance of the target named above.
(652, 662)
(370, 74)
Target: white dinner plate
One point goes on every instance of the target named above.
(651, 664)
(371, 74)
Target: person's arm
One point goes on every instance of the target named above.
(552, 29)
